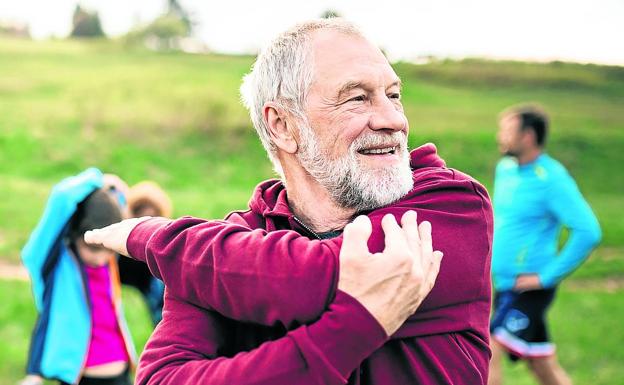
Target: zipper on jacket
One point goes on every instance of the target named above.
(309, 230)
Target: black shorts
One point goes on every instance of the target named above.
(519, 323)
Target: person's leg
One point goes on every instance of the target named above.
(544, 366)
(496, 364)
(502, 303)
(548, 371)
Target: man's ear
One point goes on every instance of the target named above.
(530, 136)
(280, 128)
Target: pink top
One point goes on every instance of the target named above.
(107, 344)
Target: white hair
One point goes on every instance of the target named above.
(283, 74)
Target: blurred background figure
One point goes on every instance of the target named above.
(534, 198)
(146, 198)
(80, 336)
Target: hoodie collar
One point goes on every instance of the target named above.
(270, 199)
(426, 156)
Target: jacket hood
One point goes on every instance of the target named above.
(270, 197)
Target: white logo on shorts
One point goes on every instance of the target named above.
(516, 321)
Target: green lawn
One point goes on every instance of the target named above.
(585, 323)
(176, 119)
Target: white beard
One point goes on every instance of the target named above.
(350, 184)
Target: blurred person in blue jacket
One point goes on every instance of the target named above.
(80, 336)
(534, 198)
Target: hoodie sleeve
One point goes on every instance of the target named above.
(244, 274)
(573, 211)
(187, 345)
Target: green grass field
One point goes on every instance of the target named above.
(176, 119)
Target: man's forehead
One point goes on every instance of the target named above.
(348, 61)
(331, 45)
(510, 122)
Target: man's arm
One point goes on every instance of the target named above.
(256, 281)
(186, 349)
(282, 276)
(572, 210)
(385, 288)
(245, 274)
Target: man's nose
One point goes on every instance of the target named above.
(386, 115)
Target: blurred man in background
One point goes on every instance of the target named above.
(534, 197)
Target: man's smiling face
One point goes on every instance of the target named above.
(355, 140)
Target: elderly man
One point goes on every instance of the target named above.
(294, 290)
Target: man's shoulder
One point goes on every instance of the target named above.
(552, 171)
(506, 163)
(444, 179)
(552, 165)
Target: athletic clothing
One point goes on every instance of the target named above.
(531, 204)
(60, 287)
(107, 343)
(258, 302)
(519, 322)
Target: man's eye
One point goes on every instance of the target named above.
(359, 98)
(395, 95)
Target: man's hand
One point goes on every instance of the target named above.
(115, 236)
(392, 284)
(525, 282)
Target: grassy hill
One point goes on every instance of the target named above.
(176, 119)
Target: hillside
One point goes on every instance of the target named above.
(176, 118)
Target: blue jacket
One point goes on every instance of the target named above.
(532, 202)
(60, 340)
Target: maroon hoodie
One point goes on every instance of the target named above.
(250, 301)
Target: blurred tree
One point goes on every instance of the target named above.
(86, 24)
(329, 13)
(167, 31)
(176, 9)
(165, 27)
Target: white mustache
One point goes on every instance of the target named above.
(396, 139)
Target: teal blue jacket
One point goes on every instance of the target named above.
(60, 339)
(532, 203)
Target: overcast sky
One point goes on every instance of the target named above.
(572, 30)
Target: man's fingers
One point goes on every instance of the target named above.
(94, 237)
(115, 236)
(106, 237)
(434, 268)
(355, 236)
(410, 229)
(395, 240)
